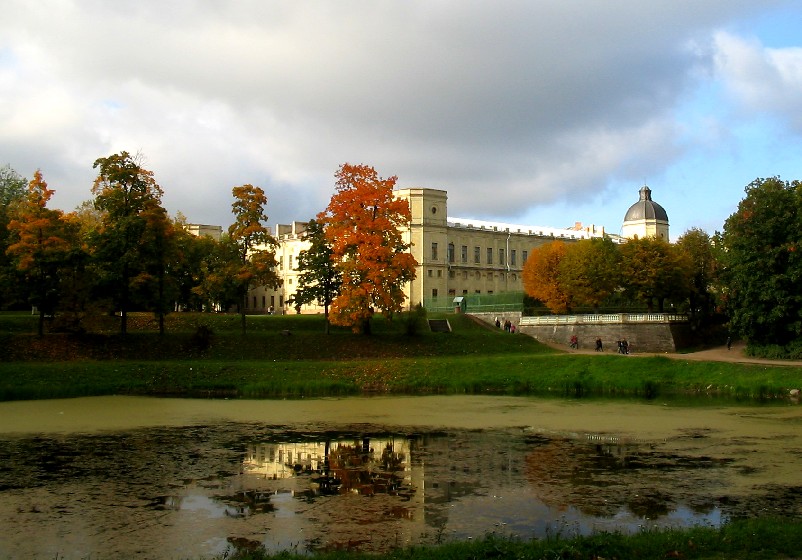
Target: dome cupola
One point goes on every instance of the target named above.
(645, 218)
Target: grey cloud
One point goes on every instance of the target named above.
(543, 101)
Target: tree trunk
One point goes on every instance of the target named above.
(242, 312)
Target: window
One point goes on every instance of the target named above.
(434, 292)
(476, 253)
(464, 274)
(501, 256)
(452, 274)
(465, 292)
(452, 292)
(489, 292)
(450, 251)
(465, 253)
(272, 301)
(263, 302)
(512, 257)
(434, 251)
(524, 255)
(430, 273)
(281, 263)
(289, 262)
(439, 273)
(254, 302)
(281, 301)
(489, 255)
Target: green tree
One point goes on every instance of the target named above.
(653, 270)
(159, 256)
(762, 262)
(39, 248)
(363, 223)
(124, 191)
(320, 279)
(254, 244)
(217, 286)
(590, 271)
(12, 192)
(697, 247)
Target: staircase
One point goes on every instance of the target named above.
(439, 325)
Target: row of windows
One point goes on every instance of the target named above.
(464, 292)
(477, 254)
(264, 302)
(464, 274)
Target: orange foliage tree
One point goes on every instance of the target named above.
(363, 223)
(39, 247)
(541, 276)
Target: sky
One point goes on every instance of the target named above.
(529, 112)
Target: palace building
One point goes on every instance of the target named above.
(456, 256)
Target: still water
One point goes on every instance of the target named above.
(174, 478)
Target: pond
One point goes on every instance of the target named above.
(180, 478)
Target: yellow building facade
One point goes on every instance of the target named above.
(456, 256)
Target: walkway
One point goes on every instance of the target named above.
(717, 354)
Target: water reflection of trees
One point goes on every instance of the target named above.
(603, 476)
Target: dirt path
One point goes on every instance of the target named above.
(717, 354)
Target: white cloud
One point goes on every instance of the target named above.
(764, 80)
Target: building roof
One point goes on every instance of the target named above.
(646, 208)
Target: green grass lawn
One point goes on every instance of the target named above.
(291, 356)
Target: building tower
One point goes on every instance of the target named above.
(645, 218)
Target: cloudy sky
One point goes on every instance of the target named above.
(532, 112)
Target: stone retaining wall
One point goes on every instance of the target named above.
(641, 337)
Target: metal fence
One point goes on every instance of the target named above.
(476, 303)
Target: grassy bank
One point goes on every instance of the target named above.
(745, 539)
(290, 356)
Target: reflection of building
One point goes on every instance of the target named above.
(283, 460)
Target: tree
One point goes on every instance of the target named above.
(762, 262)
(124, 191)
(590, 271)
(159, 253)
(653, 270)
(253, 242)
(320, 279)
(541, 277)
(12, 192)
(363, 224)
(39, 247)
(697, 247)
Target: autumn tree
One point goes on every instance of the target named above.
(762, 262)
(541, 277)
(253, 243)
(319, 280)
(590, 271)
(363, 223)
(124, 192)
(39, 247)
(653, 270)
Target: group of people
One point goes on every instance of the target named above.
(508, 326)
(623, 345)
